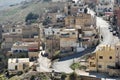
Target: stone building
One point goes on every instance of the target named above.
(68, 40)
(18, 64)
(103, 59)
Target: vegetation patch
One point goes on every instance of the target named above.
(31, 17)
(75, 66)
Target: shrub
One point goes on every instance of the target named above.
(63, 76)
(75, 66)
(31, 17)
(73, 76)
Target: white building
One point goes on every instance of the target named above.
(52, 31)
(24, 47)
(18, 64)
(12, 30)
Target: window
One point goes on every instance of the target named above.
(16, 67)
(2, 30)
(69, 7)
(80, 30)
(99, 66)
(0, 59)
(117, 48)
(110, 57)
(24, 66)
(69, 12)
(92, 64)
(100, 57)
(13, 30)
(108, 66)
(80, 9)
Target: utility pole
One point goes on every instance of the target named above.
(52, 44)
(38, 36)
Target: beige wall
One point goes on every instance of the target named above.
(33, 54)
(68, 42)
(104, 58)
(117, 50)
(106, 52)
(81, 20)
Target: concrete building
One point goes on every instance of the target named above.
(85, 25)
(30, 31)
(106, 59)
(33, 55)
(18, 64)
(103, 59)
(52, 44)
(68, 39)
(72, 8)
(117, 50)
(19, 47)
(56, 17)
(16, 29)
(9, 40)
(80, 21)
(105, 7)
(12, 34)
(27, 31)
(52, 31)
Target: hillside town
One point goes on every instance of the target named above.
(77, 41)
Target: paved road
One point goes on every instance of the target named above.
(77, 55)
(44, 63)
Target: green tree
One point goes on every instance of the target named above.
(63, 76)
(31, 17)
(75, 66)
(73, 76)
(2, 77)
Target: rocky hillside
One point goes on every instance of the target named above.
(18, 12)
